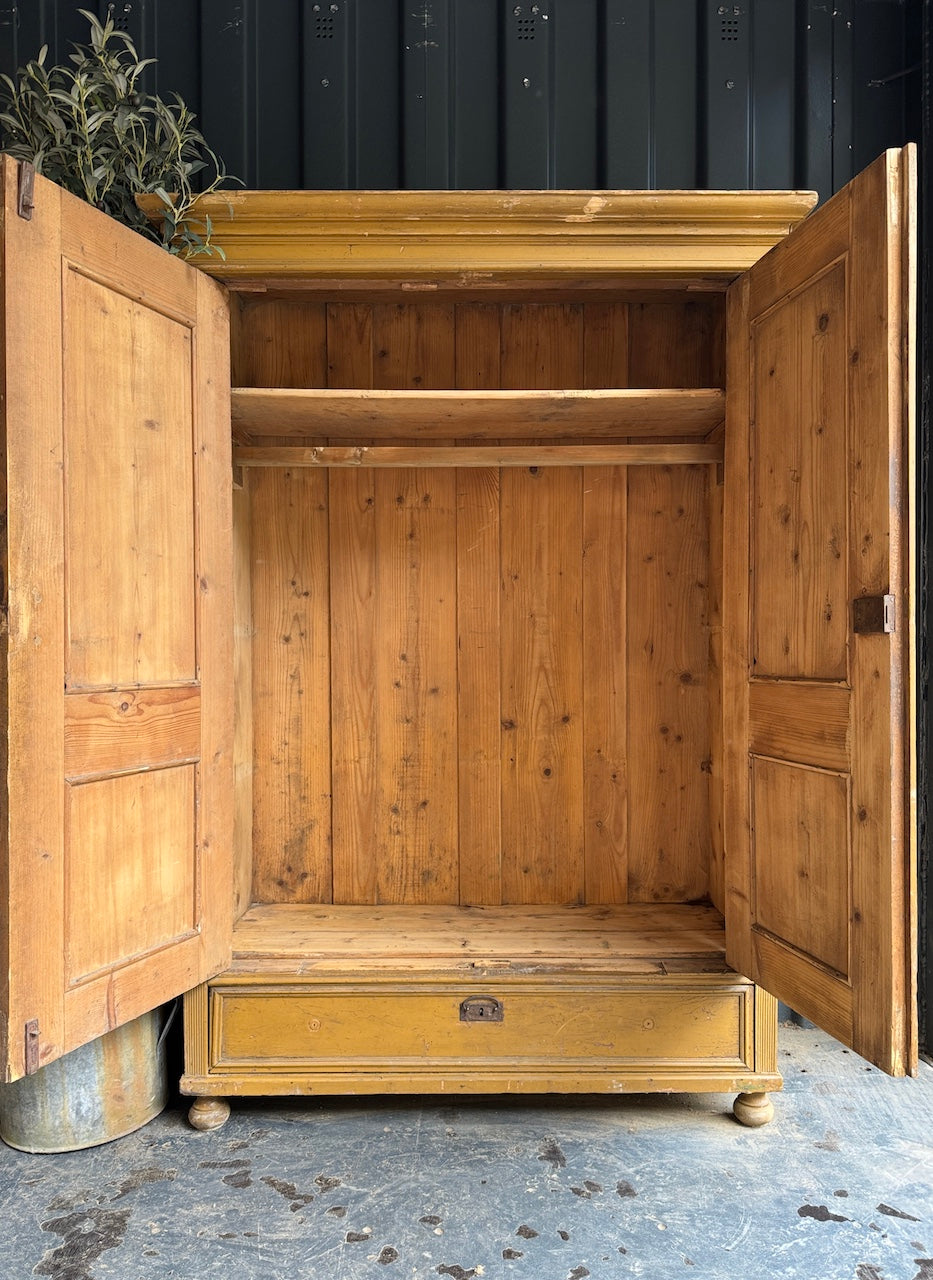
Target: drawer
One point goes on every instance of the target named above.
(323, 1027)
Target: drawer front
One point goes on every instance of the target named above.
(321, 1028)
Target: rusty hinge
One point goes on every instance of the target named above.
(25, 202)
(32, 1047)
(873, 615)
(482, 1009)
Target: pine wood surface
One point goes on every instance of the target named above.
(600, 936)
(480, 415)
(119, 731)
(461, 455)
(818, 808)
(485, 758)
(118, 468)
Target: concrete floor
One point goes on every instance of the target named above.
(839, 1187)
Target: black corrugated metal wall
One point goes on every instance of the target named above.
(484, 93)
(558, 93)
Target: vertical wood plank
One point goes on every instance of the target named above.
(416, 688)
(33, 972)
(280, 343)
(214, 590)
(243, 767)
(542, 698)
(605, 796)
(130, 606)
(605, 344)
(542, 345)
(799, 566)
(676, 343)
(131, 876)
(737, 519)
(349, 344)
(716, 803)
(668, 725)
(413, 346)
(353, 599)
(353, 688)
(479, 700)
(478, 329)
(880, 323)
(477, 339)
(542, 702)
(291, 687)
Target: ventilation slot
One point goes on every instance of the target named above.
(323, 27)
(526, 28)
(729, 30)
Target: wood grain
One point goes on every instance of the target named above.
(511, 935)
(291, 687)
(668, 719)
(881, 393)
(717, 817)
(479, 683)
(799, 561)
(281, 343)
(214, 537)
(542, 695)
(126, 729)
(415, 675)
(244, 766)
(801, 886)
(462, 455)
(128, 867)
(676, 343)
(353, 593)
(31, 865)
(796, 721)
(393, 414)
(604, 665)
(130, 603)
(831, 934)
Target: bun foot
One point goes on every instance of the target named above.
(753, 1109)
(208, 1113)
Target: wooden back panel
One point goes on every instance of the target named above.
(480, 686)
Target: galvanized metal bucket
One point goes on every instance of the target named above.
(100, 1092)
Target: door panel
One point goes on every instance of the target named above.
(819, 474)
(118, 670)
(129, 490)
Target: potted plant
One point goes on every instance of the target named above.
(90, 127)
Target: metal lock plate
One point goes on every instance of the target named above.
(481, 1009)
(873, 615)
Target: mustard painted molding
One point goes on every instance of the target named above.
(489, 238)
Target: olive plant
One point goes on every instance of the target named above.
(89, 126)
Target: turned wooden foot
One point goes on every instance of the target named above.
(208, 1113)
(753, 1109)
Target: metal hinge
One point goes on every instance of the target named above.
(32, 1047)
(873, 615)
(25, 202)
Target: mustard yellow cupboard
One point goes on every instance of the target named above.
(508, 684)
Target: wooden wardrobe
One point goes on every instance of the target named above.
(508, 685)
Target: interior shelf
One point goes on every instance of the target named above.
(537, 455)
(259, 413)
(640, 938)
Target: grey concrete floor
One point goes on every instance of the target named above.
(839, 1187)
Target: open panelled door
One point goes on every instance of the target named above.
(116, 671)
(819, 655)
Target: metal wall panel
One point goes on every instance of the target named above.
(554, 93)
